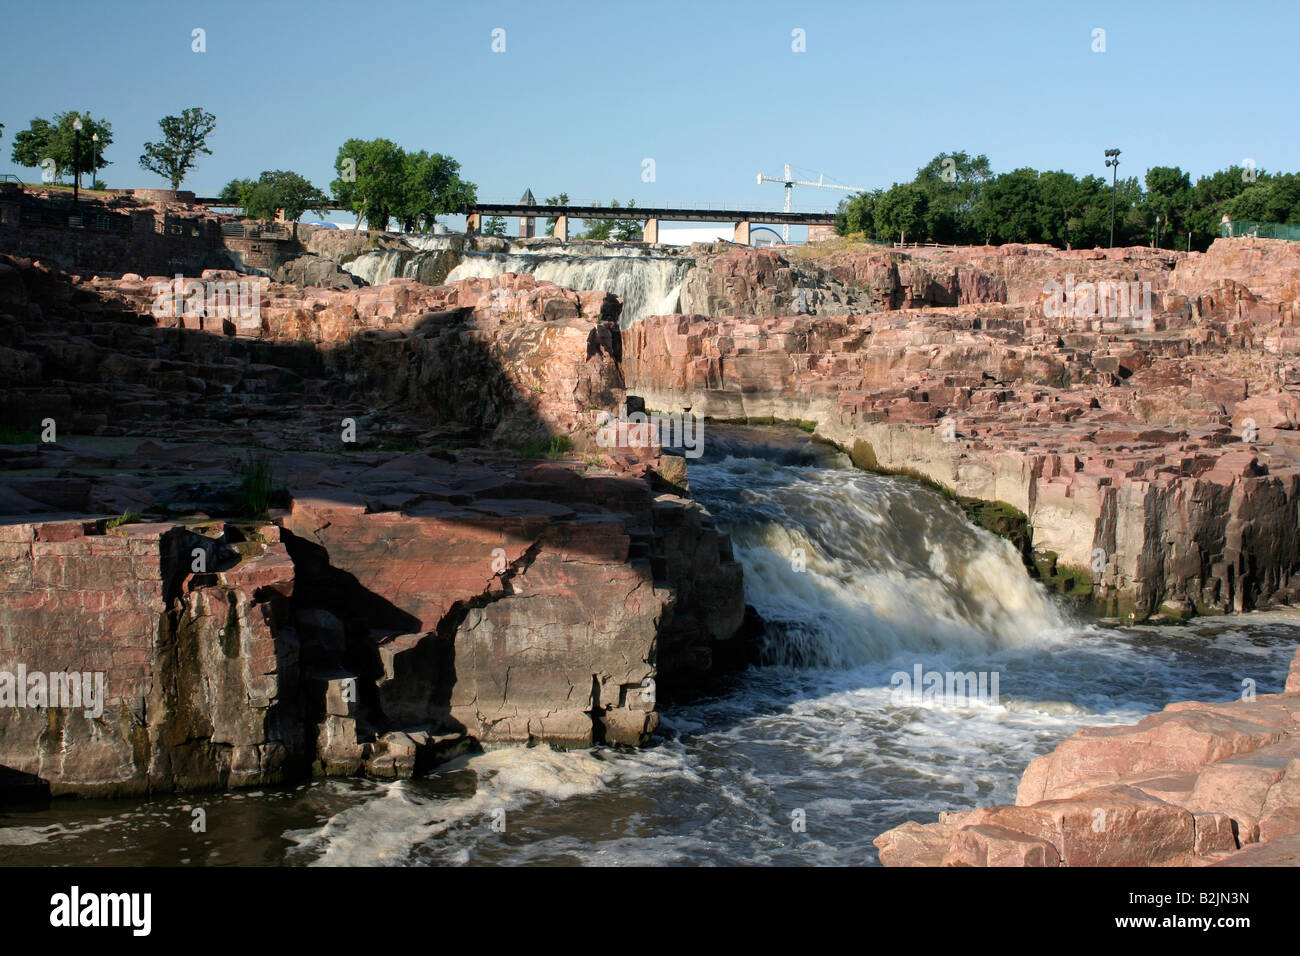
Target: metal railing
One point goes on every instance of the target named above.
(254, 230)
(1261, 230)
(35, 214)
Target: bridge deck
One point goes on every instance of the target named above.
(662, 214)
(640, 213)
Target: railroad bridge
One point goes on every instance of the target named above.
(652, 216)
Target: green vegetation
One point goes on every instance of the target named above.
(57, 141)
(275, 190)
(553, 448)
(379, 181)
(800, 423)
(624, 230)
(957, 199)
(494, 226)
(184, 138)
(126, 517)
(1061, 578)
(11, 435)
(253, 496)
(561, 200)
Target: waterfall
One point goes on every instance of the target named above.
(376, 268)
(648, 284)
(850, 568)
(648, 281)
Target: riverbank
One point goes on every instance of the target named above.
(1155, 456)
(1196, 784)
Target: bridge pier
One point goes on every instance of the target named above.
(741, 235)
(650, 232)
(472, 224)
(562, 228)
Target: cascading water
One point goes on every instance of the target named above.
(648, 282)
(893, 580)
(849, 568)
(376, 268)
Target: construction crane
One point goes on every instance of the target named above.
(790, 183)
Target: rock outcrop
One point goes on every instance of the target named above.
(329, 549)
(1195, 784)
(316, 272)
(1156, 454)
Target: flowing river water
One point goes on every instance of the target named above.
(802, 760)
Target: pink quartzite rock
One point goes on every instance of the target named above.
(1194, 784)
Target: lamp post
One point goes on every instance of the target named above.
(76, 158)
(94, 159)
(1112, 160)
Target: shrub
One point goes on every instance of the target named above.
(253, 496)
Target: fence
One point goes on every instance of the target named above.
(1261, 230)
(37, 214)
(253, 230)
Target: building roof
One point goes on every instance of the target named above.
(527, 198)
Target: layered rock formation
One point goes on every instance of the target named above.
(1156, 455)
(1195, 784)
(327, 554)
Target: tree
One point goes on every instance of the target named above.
(58, 141)
(1009, 208)
(901, 210)
(953, 184)
(431, 186)
(184, 139)
(1275, 199)
(1167, 196)
(495, 226)
(275, 190)
(624, 230)
(371, 181)
(857, 214)
(561, 200)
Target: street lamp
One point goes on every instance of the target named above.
(1112, 160)
(76, 158)
(94, 159)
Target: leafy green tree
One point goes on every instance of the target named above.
(57, 141)
(900, 210)
(561, 200)
(624, 230)
(273, 191)
(1009, 208)
(236, 193)
(431, 187)
(184, 139)
(953, 184)
(495, 226)
(1071, 212)
(371, 180)
(857, 214)
(1275, 199)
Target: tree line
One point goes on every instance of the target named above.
(957, 199)
(59, 148)
(377, 179)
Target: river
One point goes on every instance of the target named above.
(802, 760)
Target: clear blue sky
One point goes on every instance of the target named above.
(712, 92)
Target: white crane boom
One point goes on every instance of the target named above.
(790, 183)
